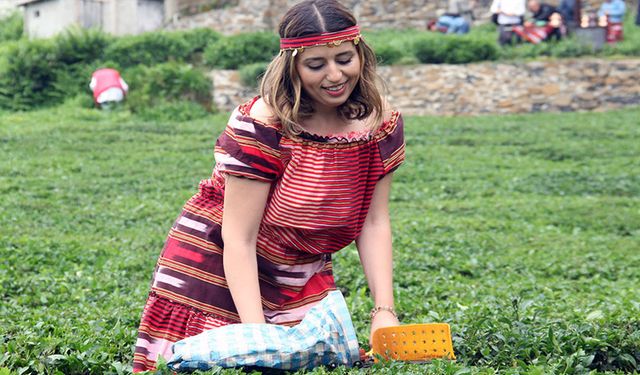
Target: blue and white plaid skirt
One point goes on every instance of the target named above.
(324, 337)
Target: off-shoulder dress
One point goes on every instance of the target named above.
(321, 189)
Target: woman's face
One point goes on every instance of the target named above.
(329, 74)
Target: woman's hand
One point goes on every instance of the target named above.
(382, 319)
(376, 255)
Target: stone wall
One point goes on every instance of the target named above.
(258, 15)
(560, 85)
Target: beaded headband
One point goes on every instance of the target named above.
(332, 39)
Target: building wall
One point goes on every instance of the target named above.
(46, 18)
(150, 15)
(92, 14)
(190, 7)
(122, 17)
(118, 17)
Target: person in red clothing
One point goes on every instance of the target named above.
(301, 171)
(547, 18)
(108, 87)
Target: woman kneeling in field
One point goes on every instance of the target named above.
(301, 172)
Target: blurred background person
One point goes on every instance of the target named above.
(612, 9)
(462, 8)
(546, 16)
(510, 13)
(108, 87)
(610, 15)
(567, 9)
(541, 12)
(450, 24)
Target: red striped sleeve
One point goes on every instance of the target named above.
(248, 148)
(391, 144)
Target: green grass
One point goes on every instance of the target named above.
(522, 232)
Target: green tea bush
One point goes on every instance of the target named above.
(393, 46)
(450, 49)
(569, 48)
(76, 45)
(566, 48)
(44, 72)
(388, 54)
(198, 39)
(11, 27)
(78, 55)
(431, 50)
(148, 49)
(242, 49)
(250, 75)
(524, 51)
(625, 48)
(84, 100)
(28, 71)
(465, 50)
(168, 83)
(630, 45)
(576, 347)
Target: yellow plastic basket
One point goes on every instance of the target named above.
(414, 342)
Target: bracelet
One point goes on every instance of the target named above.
(377, 309)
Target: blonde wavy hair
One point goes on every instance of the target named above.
(281, 88)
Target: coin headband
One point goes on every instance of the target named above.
(332, 39)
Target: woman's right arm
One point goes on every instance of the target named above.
(244, 203)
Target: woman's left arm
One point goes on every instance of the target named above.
(376, 255)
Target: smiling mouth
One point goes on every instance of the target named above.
(336, 87)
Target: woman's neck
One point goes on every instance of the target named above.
(329, 122)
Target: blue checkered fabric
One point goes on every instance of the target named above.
(324, 337)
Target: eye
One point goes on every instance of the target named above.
(345, 62)
(315, 67)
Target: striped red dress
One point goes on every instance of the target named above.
(321, 191)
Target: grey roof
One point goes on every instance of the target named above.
(27, 2)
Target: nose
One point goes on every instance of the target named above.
(334, 73)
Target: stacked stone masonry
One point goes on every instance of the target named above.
(236, 16)
(260, 15)
(559, 85)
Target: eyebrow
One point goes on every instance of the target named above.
(342, 54)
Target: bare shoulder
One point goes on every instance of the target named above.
(261, 111)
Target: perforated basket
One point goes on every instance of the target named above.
(414, 342)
